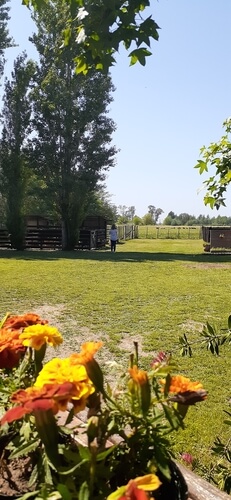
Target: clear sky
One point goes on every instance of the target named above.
(166, 110)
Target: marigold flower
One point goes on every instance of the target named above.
(21, 321)
(140, 377)
(135, 489)
(88, 350)
(60, 371)
(51, 396)
(36, 336)
(11, 348)
(179, 383)
(86, 358)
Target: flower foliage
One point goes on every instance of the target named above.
(141, 408)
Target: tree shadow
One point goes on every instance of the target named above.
(108, 256)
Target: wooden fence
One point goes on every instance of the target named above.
(50, 238)
(169, 232)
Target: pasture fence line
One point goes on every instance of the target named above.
(170, 232)
(131, 231)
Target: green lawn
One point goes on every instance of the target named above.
(149, 290)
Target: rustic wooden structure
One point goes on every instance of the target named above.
(42, 234)
(217, 239)
(98, 224)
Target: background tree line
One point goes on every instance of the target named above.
(124, 215)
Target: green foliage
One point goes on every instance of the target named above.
(14, 171)
(5, 40)
(102, 27)
(99, 204)
(217, 157)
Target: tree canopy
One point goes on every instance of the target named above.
(102, 26)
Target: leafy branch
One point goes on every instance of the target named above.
(209, 338)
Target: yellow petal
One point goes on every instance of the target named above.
(148, 483)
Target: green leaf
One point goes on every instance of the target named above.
(31, 494)
(229, 322)
(104, 454)
(84, 452)
(25, 449)
(139, 55)
(202, 166)
(65, 493)
(69, 471)
(84, 493)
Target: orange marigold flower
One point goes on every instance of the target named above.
(11, 348)
(88, 350)
(51, 396)
(21, 321)
(36, 336)
(60, 371)
(139, 376)
(179, 383)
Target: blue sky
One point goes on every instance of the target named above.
(166, 110)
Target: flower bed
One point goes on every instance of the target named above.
(142, 409)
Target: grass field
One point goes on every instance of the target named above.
(149, 290)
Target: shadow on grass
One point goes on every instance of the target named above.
(118, 256)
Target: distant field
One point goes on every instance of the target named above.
(150, 291)
(172, 232)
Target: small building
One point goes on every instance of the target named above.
(217, 239)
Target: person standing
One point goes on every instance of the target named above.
(113, 235)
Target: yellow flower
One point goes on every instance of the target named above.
(139, 376)
(36, 336)
(59, 371)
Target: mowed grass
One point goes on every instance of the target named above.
(149, 290)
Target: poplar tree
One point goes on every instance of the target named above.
(16, 115)
(72, 144)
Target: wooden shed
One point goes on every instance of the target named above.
(217, 239)
(98, 225)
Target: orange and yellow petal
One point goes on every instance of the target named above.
(88, 350)
(17, 322)
(139, 376)
(60, 371)
(179, 383)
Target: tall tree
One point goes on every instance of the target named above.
(72, 149)
(153, 214)
(16, 126)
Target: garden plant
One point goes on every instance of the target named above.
(141, 409)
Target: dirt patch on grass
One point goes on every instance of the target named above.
(51, 313)
(192, 326)
(208, 265)
(127, 344)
